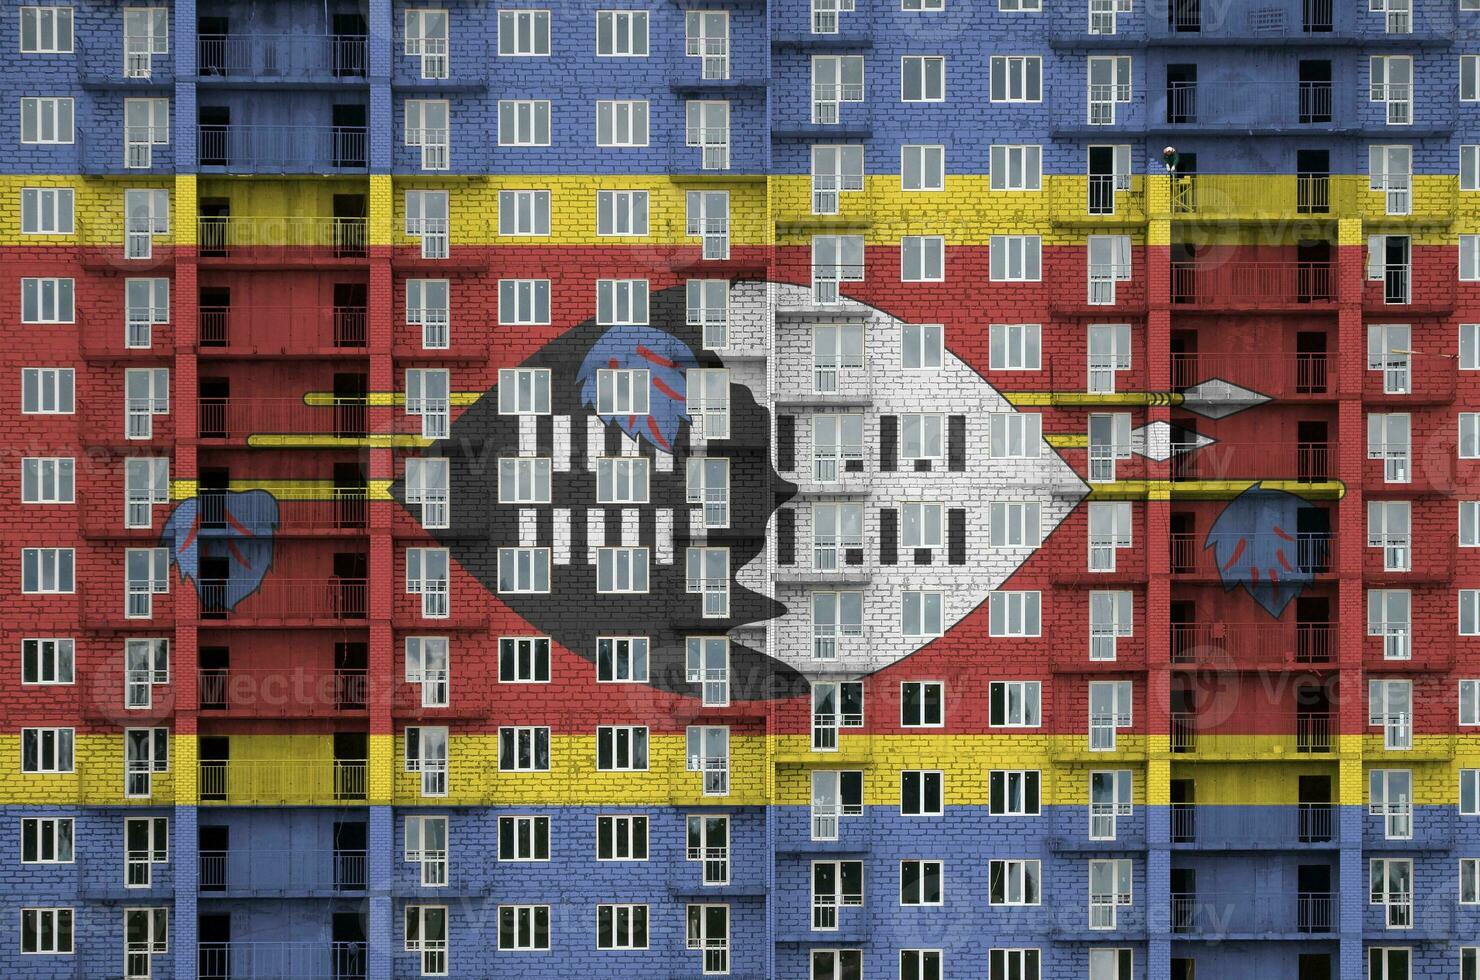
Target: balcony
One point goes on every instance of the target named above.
(1245, 107)
(1222, 645)
(281, 58)
(286, 602)
(1430, 381)
(1249, 828)
(281, 961)
(281, 873)
(1307, 462)
(264, 331)
(282, 692)
(1260, 198)
(344, 511)
(282, 782)
(257, 421)
(1313, 738)
(281, 149)
(1284, 376)
(1300, 21)
(1215, 917)
(282, 241)
(1253, 285)
(1309, 552)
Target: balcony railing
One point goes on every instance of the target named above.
(1218, 915)
(345, 510)
(1252, 284)
(277, 239)
(281, 961)
(1312, 553)
(1248, 105)
(1223, 644)
(1240, 827)
(266, 57)
(237, 418)
(289, 691)
(1283, 375)
(285, 599)
(1312, 737)
(281, 871)
(282, 329)
(285, 782)
(1309, 462)
(282, 149)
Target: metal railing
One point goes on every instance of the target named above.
(1256, 644)
(282, 691)
(283, 149)
(274, 870)
(1238, 826)
(1252, 284)
(281, 56)
(280, 238)
(282, 329)
(285, 599)
(1270, 374)
(1215, 914)
(1309, 552)
(1248, 104)
(240, 417)
(1313, 736)
(1310, 462)
(282, 781)
(281, 961)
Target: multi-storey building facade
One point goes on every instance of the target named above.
(778, 490)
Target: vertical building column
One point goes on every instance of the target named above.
(1351, 428)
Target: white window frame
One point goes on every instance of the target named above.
(523, 302)
(435, 589)
(47, 837)
(525, 838)
(1021, 78)
(1022, 704)
(1026, 620)
(48, 211)
(524, 570)
(1016, 167)
(521, 121)
(48, 480)
(524, 391)
(1022, 882)
(523, 33)
(524, 214)
(1015, 258)
(631, 758)
(621, 213)
(524, 479)
(51, 121)
(48, 391)
(624, 655)
(48, 300)
(49, 27)
(915, 73)
(432, 860)
(621, 123)
(627, 835)
(627, 30)
(922, 167)
(48, 661)
(528, 660)
(54, 571)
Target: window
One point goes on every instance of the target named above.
(426, 934)
(1469, 956)
(1015, 704)
(146, 842)
(708, 487)
(1469, 881)
(1469, 167)
(1469, 612)
(1469, 792)
(1389, 439)
(47, 479)
(708, 218)
(922, 167)
(524, 749)
(46, 840)
(1469, 258)
(428, 394)
(1109, 889)
(1109, 531)
(523, 123)
(922, 258)
(46, 300)
(621, 570)
(524, 838)
(708, 308)
(429, 122)
(1390, 171)
(1469, 78)
(146, 663)
(1109, 86)
(622, 33)
(924, 964)
(1111, 964)
(835, 259)
(426, 845)
(145, 933)
(922, 346)
(707, 37)
(920, 882)
(523, 302)
(709, 842)
(146, 393)
(1391, 83)
(1015, 258)
(47, 661)
(1015, 347)
(922, 704)
(1109, 343)
(46, 931)
(621, 212)
(427, 218)
(146, 32)
(46, 30)
(920, 614)
(1017, 78)
(524, 212)
(621, 838)
(523, 33)
(146, 214)
(524, 391)
(622, 659)
(922, 79)
(621, 123)
(834, 884)
(46, 750)
(427, 664)
(707, 663)
(427, 485)
(834, 795)
(836, 79)
(1012, 882)
(146, 302)
(1013, 964)
(1469, 346)
(46, 120)
(837, 528)
(1109, 710)
(1469, 702)
(837, 354)
(837, 964)
(1017, 167)
(922, 436)
(835, 616)
(923, 525)
(524, 659)
(1110, 617)
(1013, 614)
(1390, 796)
(1389, 528)
(147, 574)
(523, 480)
(707, 750)
(836, 170)
(426, 753)
(1015, 524)
(1107, 261)
(621, 927)
(707, 126)
(1014, 792)
(426, 38)
(146, 124)
(428, 575)
(834, 705)
(46, 391)
(47, 571)
(1392, 887)
(708, 574)
(621, 748)
(709, 930)
(921, 793)
(46, 211)
(621, 302)
(1109, 440)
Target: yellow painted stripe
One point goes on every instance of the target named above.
(1210, 489)
(1081, 399)
(389, 399)
(1067, 440)
(285, 489)
(309, 440)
